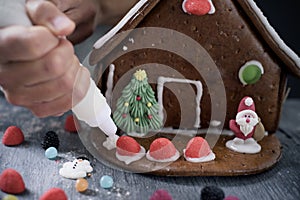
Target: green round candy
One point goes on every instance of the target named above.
(251, 74)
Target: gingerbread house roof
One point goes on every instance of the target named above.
(143, 7)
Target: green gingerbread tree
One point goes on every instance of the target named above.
(137, 108)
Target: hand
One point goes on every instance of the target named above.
(38, 69)
(87, 14)
(83, 13)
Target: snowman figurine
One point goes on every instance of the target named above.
(76, 169)
(247, 128)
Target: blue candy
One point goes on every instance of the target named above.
(51, 153)
(106, 182)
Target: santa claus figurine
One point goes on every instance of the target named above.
(247, 128)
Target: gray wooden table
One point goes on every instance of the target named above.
(40, 174)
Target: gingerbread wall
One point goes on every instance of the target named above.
(231, 40)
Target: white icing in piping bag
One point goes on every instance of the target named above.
(93, 108)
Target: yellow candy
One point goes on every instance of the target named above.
(126, 104)
(137, 120)
(10, 197)
(149, 104)
(81, 185)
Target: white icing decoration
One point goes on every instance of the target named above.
(240, 114)
(249, 146)
(135, 134)
(211, 156)
(109, 84)
(183, 7)
(114, 30)
(111, 142)
(76, 169)
(125, 48)
(274, 34)
(171, 159)
(215, 123)
(211, 11)
(131, 40)
(212, 7)
(193, 132)
(249, 101)
(160, 86)
(130, 159)
(252, 62)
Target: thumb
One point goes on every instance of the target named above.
(47, 14)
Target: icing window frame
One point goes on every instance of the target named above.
(160, 88)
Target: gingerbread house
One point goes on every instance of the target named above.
(202, 57)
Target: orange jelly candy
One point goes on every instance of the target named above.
(81, 185)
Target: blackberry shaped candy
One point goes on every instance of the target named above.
(212, 193)
(50, 140)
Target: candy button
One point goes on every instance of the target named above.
(106, 182)
(81, 185)
(51, 153)
(251, 72)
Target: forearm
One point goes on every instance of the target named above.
(111, 11)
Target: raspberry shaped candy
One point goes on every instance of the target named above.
(70, 124)
(11, 182)
(161, 195)
(13, 136)
(54, 193)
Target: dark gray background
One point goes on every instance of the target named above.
(284, 16)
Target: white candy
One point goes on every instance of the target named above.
(76, 169)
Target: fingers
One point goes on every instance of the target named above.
(83, 13)
(71, 89)
(19, 43)
(52, 108)
(67, 101)
(47, 14)
(45, 91)
(81, 32)
(49, 67)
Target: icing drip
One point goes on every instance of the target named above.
(109, 85)
(211, 156)
(130, 159)
(171, 159)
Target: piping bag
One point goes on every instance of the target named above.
(93, 108)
